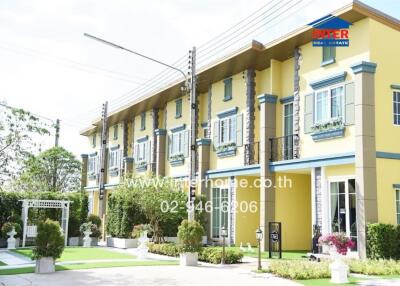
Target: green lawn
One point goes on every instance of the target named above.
(265, 255)
(353, 281)
(80, 253)
(91, 265)
(2, 263)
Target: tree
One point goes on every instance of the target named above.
(54, 170)
(17, 129)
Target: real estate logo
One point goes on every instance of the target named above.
(330, 31)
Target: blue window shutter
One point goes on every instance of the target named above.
(186, 143)
(216, 134)
(349, 103)
(169, 145)
(308, 112)
(239, 130)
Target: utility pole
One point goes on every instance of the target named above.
(193, 117)
(57, 133)
(103, 147)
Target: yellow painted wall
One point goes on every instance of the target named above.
(387, 174)
(385, 43)
(247, 222)
(311, 70)
(293, 209)
(340, 170)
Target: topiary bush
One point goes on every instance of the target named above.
(96, 225)
(214, 255)
(190, 236)
(170, 249)
(299, 270)
(49, 240)
(383, 241)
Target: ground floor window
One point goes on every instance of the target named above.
(220, 210)
(343, 207)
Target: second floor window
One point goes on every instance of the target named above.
(329, 104)
(178, 108)
(143, 121)
(141, 150)
(227, 89)
(227, 130)
(396, 108)
(114, 159)
(115, 137)
(93, 163)
(328, 55)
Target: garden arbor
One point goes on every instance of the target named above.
(31, 230)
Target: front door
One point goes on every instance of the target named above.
(343, 207)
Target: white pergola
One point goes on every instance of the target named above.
(31, 230)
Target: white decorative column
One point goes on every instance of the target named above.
(365, 150)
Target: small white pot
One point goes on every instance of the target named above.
(11, 239)
(45, 265)
(204, 240)
(73, 241)
(188, 258)
(87, 240)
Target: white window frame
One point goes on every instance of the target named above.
(93, 162)
(398, 110)
(114, 158)
(218, 236)
(329, 107)
(283, 127)
(141, 151)
(230, 137)
(180, 141)
(337, 179)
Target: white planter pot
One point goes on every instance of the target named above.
(339, 271)
(122, 242)
(87, 240)
(73, 241)
(11, 241)
(204, 240)
(95, 241)
(45, 265)
(188, 258)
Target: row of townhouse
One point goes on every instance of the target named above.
(321, 124)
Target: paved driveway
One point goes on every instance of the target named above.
(148, 275)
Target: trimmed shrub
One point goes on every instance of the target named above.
(49, 240)
(214, 255)
(170, 249)
(96, 225)
(206, 254)
(8, 226)
(375, 267)
(299, 270)
(383, 241)
(73, 227)
(190, 235)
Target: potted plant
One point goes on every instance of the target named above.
(140, 233)
(86, 230)
(49, 246)
(95, 228)
(339, 245)
(190, 237)
(73, 231)
(11, 229)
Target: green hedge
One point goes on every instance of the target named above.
(375, 267)
(383, 241)
(299, 269)
(10, 206)
(206, 254)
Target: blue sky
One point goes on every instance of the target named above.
(48, 67)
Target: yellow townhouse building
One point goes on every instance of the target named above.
(286, 132)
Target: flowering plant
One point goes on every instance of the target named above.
(341, 242)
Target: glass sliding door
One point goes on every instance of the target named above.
(343, 207)
(220, 210)
(288, 131)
